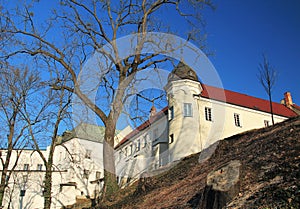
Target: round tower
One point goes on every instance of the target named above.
(183, 90)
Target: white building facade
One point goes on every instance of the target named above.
(197, 116)
(77, 171)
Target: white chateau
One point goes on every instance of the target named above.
(197, 116)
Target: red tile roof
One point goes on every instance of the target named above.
(144, 125)
(244, 100)
(222, 95)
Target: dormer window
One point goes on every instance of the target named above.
(39, 167)
(26, 167)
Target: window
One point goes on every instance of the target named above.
(171, 138)
(98, 175)
(145, 140)
(171, 113)
(208, 114)
(266, 123)
(60, 156)
(6, 179)
(39, 167)
(237, 120)
(86, 173)
(131, 149)
(26, 167)
(126, 151)
(138, 145)
(187, 110)
(120, 155)
(88, 154)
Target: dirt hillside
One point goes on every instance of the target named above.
(255, 169)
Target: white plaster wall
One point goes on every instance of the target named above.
(193, 134)
(27, 156)
(185, 130)
(223, 125)
(69, 164)
(33, 184)
(136, 162)
(71, 157)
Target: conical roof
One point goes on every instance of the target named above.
(182, 71)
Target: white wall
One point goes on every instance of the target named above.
(70, 161)
(32, 183)
(190, 134)
(185, 130)
(77, 156)
(193, 134)
(223, 124)
(132, 163)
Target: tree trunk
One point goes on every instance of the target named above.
(48, 177)
(271, 106)
(3, 177)
(47, 187)
(7, 160)
(4, 174)
(110, 179)
(2, 190)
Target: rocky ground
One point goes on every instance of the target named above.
(256, 169)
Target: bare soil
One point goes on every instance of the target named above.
(268, 175)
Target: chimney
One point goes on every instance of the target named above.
(288, 99)
(152, 112)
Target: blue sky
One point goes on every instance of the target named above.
(240, 31)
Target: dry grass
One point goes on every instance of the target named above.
(269, 174)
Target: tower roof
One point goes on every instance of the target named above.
(182, 71)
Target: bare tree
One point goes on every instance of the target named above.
(84, 28)
(267, 78)
(33, 113)
(53, 111)
(16, 86)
